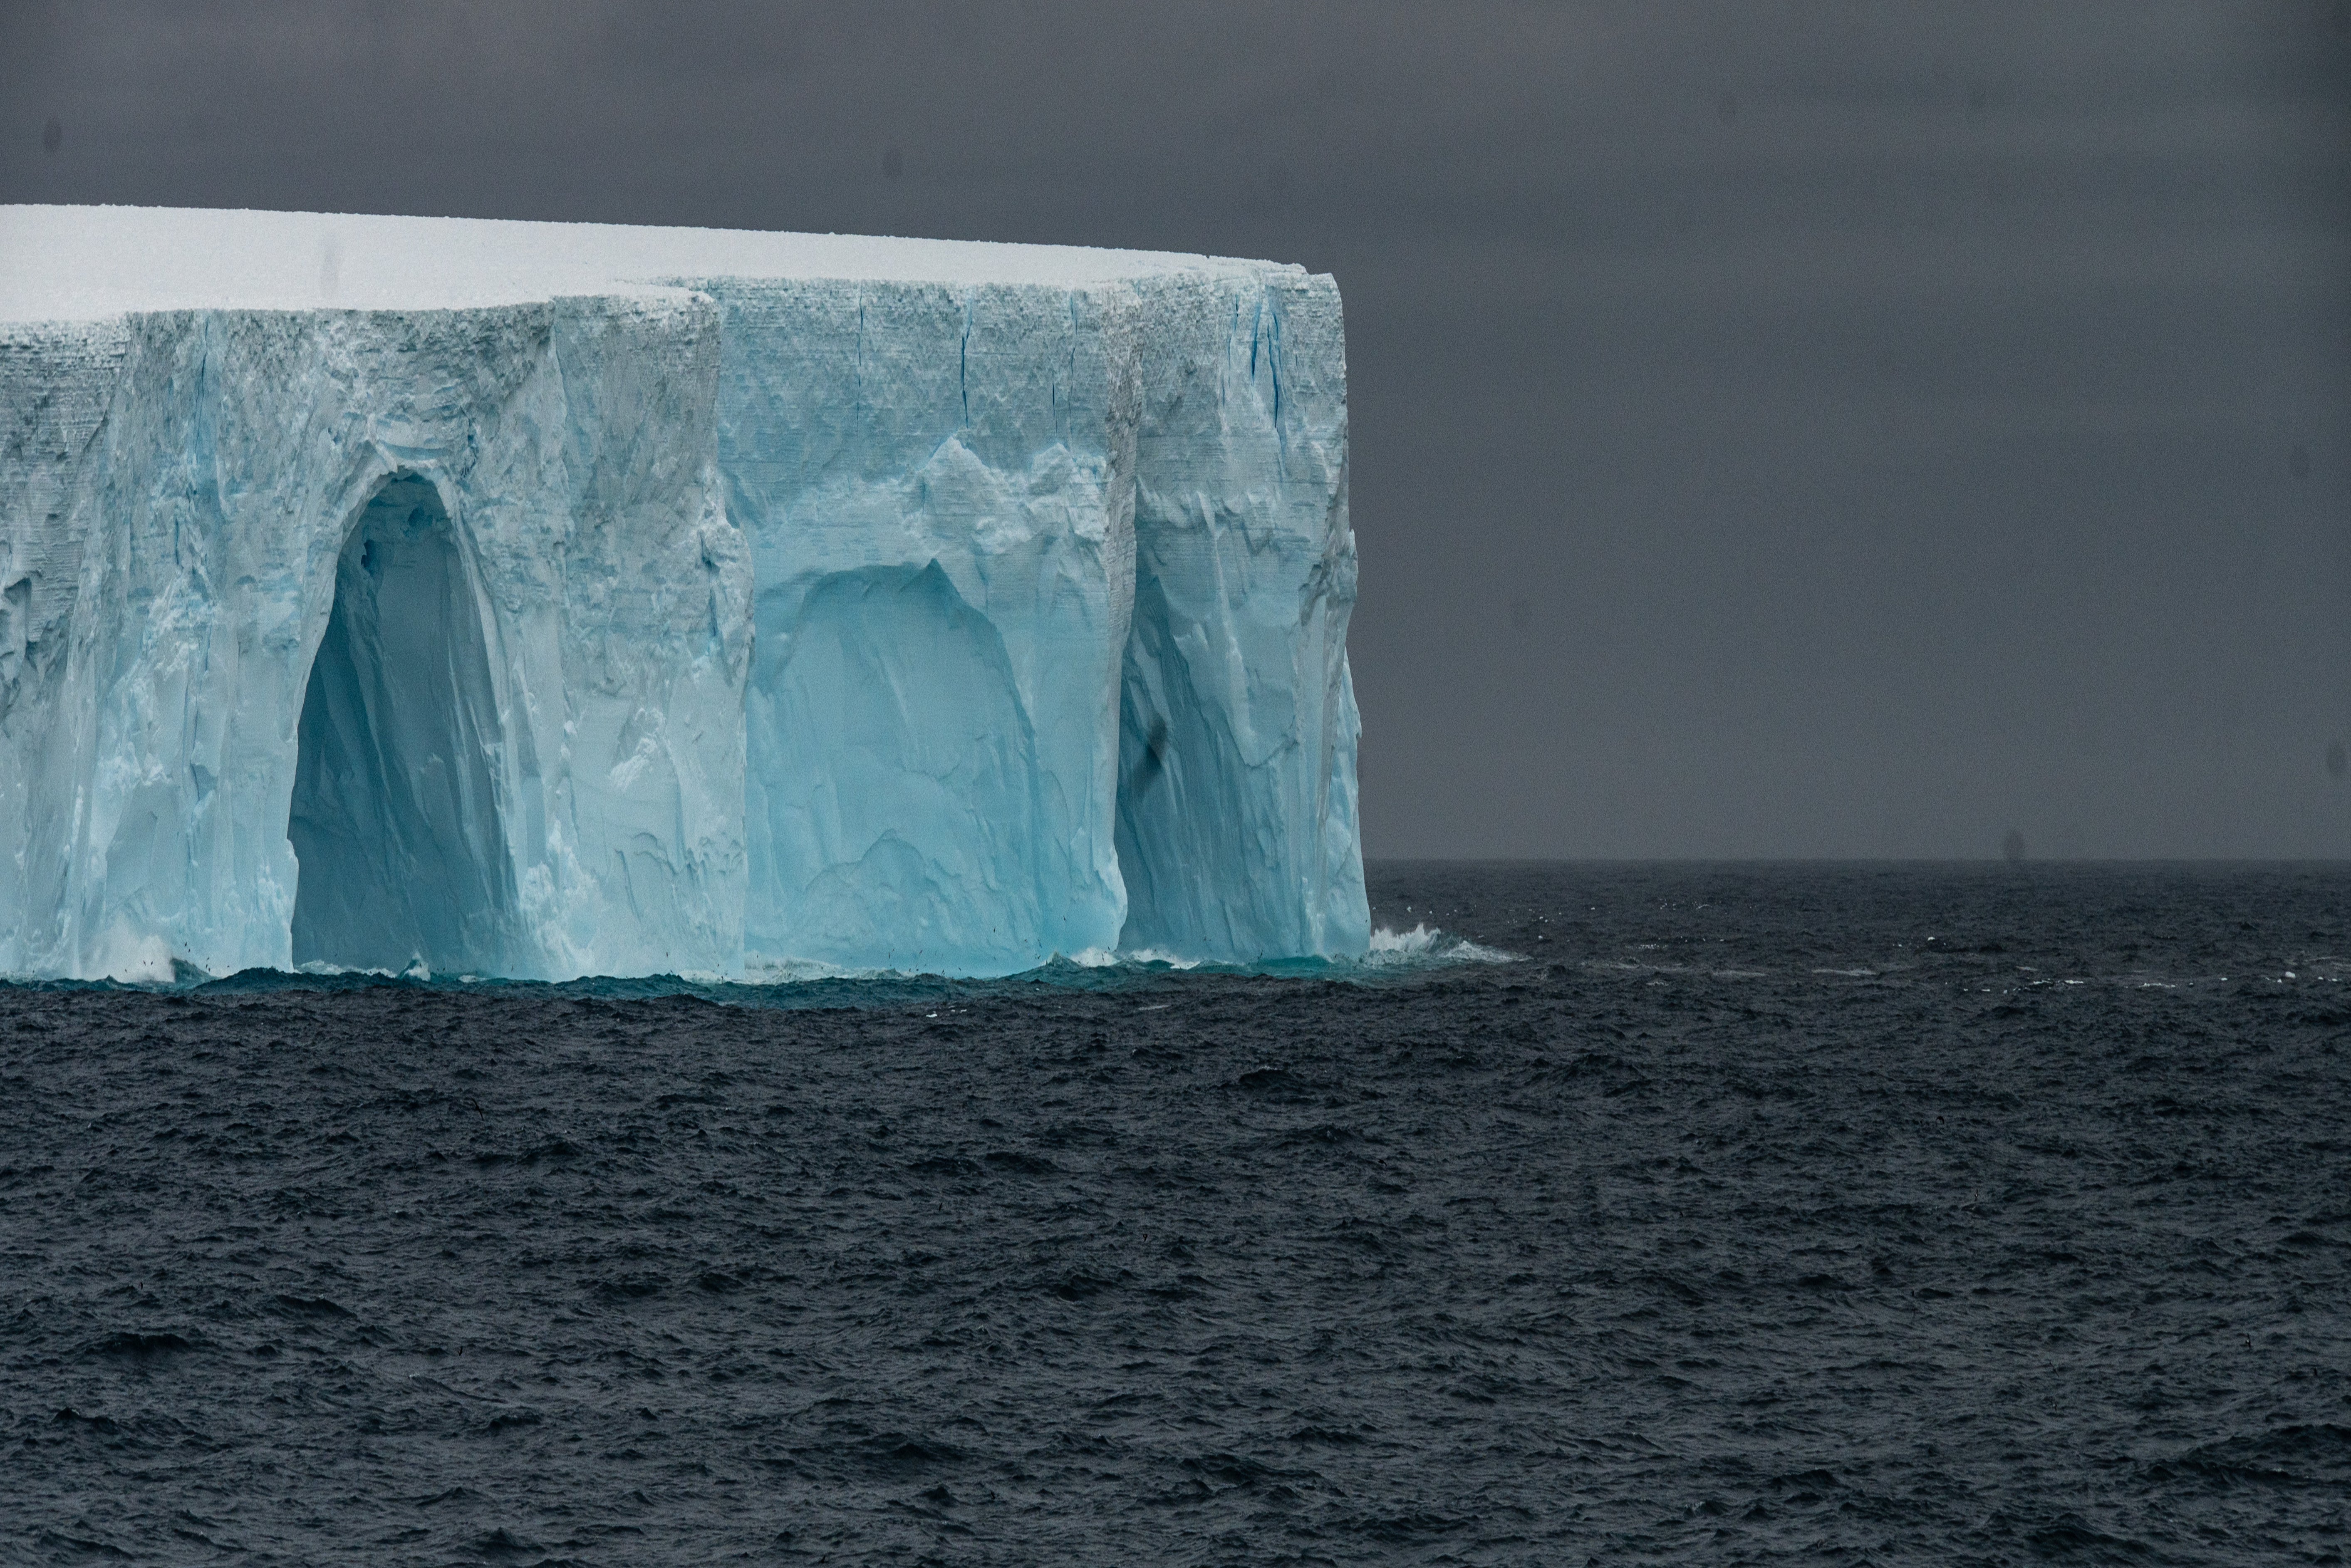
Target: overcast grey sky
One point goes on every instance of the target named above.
(1808, 428)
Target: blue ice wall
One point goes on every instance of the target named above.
(717, 625)
(180, 527)
(1237, 826)
(1126, 505)
(936, 483)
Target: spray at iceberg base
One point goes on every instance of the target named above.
(559, 601)
(1403, 958)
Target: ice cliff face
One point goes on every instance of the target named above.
(544, 601)
(938, 487)
(255, 524)
(1237, 714)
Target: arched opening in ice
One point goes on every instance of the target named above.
(893, 782)
(395, 813)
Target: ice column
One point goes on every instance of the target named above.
(1237, 826)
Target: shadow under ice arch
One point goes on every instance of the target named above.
(895, 775)
(394, 817)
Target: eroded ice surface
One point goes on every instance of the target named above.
(549, 600)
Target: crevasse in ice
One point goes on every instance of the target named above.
(554, 600)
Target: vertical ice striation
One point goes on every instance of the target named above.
(56, 380)
(1237, 811)
(418, 624)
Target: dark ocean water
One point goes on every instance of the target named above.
(1785, 1214)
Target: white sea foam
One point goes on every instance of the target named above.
(1141, 957)
(1426, 945)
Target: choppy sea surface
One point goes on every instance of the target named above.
(1627, 1214)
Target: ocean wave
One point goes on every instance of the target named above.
(1425, 945)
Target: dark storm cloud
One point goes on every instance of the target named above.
(1808, 428)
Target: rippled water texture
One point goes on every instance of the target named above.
(1758, 1214)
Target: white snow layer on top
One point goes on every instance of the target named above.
(542, 600)
(82, 263)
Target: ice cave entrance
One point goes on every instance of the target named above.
(395, 814)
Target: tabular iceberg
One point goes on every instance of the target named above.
(544, 601)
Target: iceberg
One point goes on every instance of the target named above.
(545, 600)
